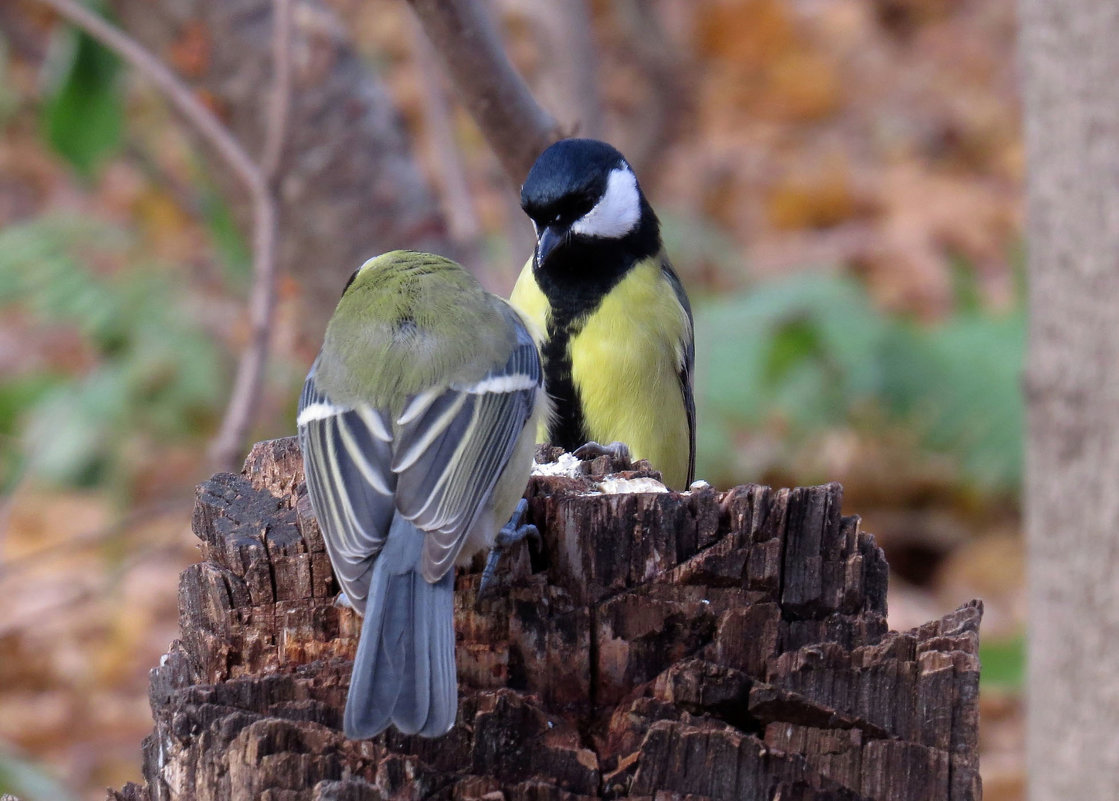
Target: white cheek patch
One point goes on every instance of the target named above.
(617, 212)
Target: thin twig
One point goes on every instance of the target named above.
(514, 124)
(275, 132)
(178, 93)
(227, 446)
(457, 200)
(250, 370)
(570, 81)
(669, 103)
(229, 442)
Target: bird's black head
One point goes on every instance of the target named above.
(585, 202)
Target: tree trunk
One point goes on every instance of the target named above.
(1071, 64)
(714, 645)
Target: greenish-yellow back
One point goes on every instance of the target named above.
(415, 317)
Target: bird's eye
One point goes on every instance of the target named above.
(558, 217)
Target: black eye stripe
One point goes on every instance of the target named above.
(578, 206)
(566, 209)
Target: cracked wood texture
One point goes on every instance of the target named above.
(704, 645)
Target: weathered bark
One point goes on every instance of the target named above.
(711, 645)
(1070, 63)
(349, 186)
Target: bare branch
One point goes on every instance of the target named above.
(227, 445)
(347, 162)
(457, 200)
(250, 370)
(569, 81)
(178, 93)
(276, 130)
(668, 101)
(582, 65)
(515, 125)
(226, 450)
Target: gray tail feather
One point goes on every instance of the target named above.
(404, 672)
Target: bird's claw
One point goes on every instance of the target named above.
(516, 530)
(512, 532)
(618, 451)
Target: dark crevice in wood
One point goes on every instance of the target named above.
(586, 723)
(713, 645)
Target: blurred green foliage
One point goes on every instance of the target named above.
(24, 779)
(146, 369)
(812, 352)
(230, 247)
(83, 107)
(1003, 662)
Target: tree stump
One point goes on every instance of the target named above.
(701, 645)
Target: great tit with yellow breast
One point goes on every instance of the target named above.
(611, 316)
(417, 424)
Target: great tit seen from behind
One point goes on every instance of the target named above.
(612, 318)
(417, 424)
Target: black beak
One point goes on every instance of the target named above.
(549, 238)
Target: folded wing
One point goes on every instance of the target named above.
(436, 464)
(452, 445)
(347, 454)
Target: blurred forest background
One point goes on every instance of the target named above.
(840, 186)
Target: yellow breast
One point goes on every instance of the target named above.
(625, 364)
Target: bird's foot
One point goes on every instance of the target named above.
(342, 602)
(617, 451)
(512, 532)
